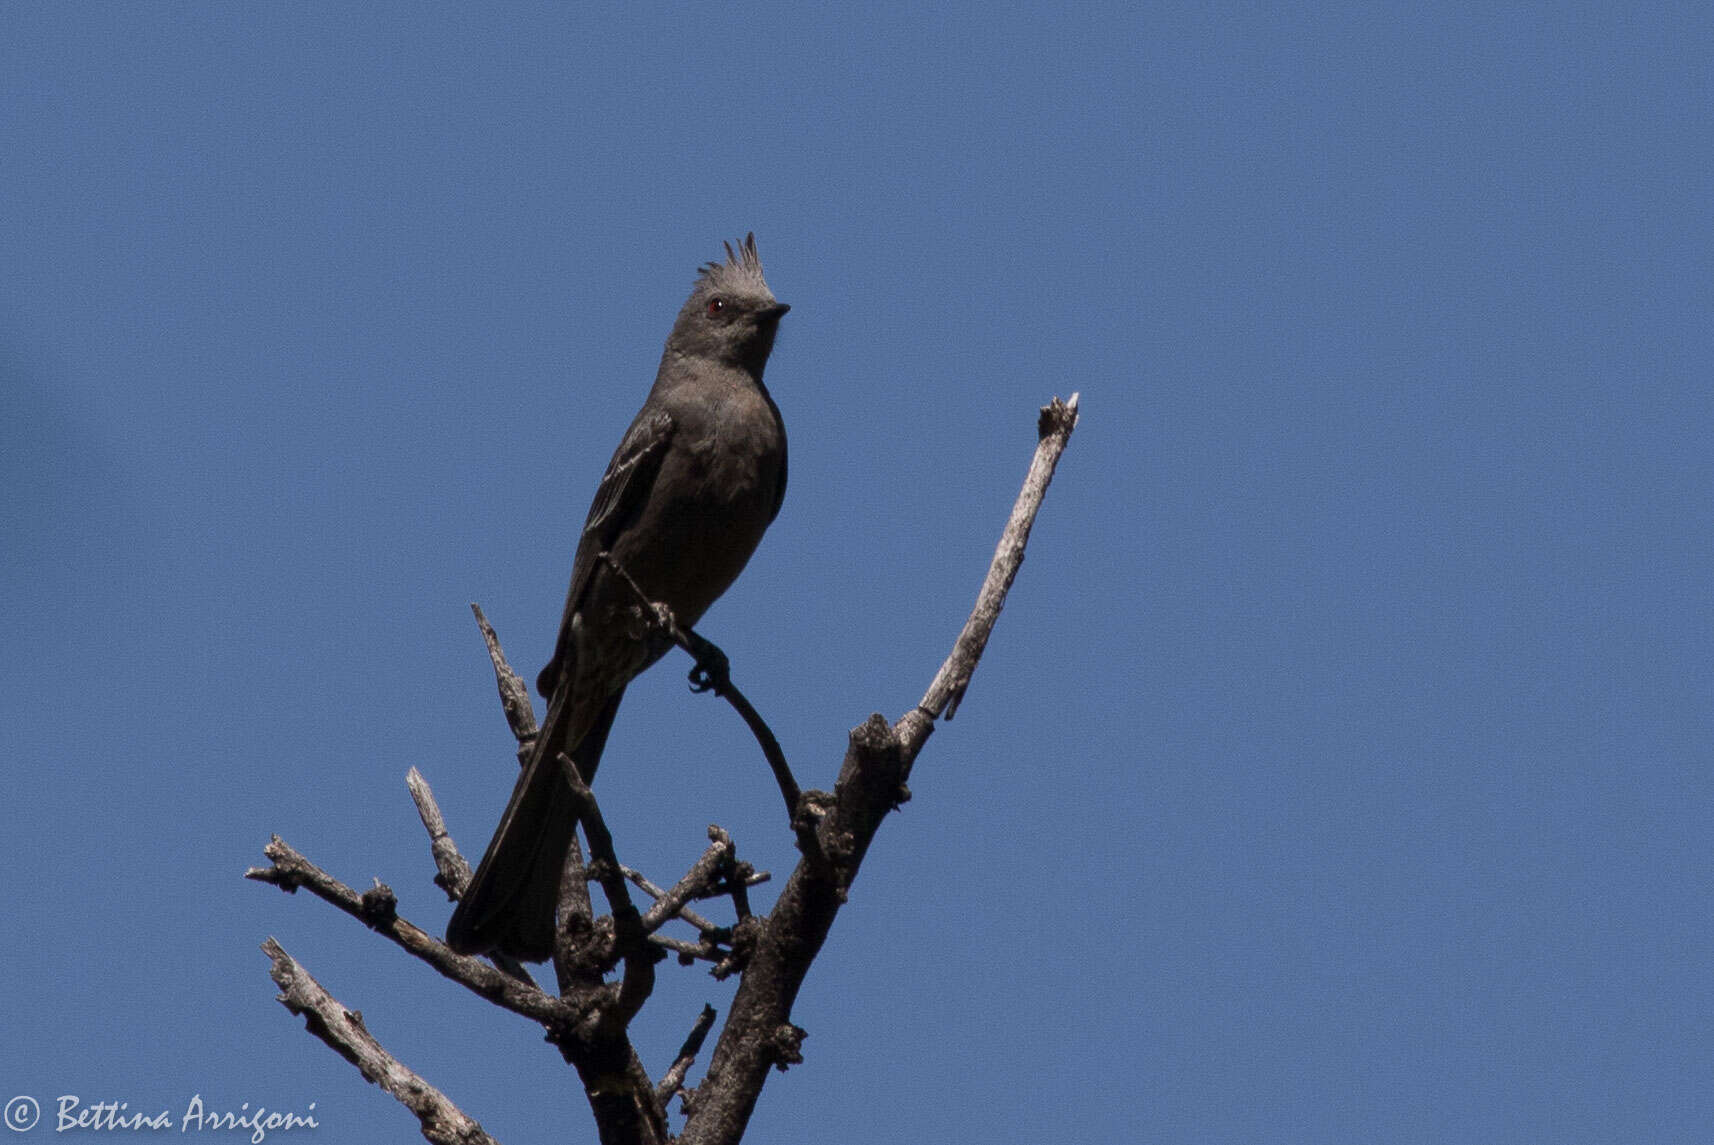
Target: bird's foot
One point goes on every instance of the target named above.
(713, 671)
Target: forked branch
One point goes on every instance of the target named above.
(773, 952)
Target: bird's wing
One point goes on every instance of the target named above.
(624, 489)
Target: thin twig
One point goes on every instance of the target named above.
(713, 674)
(673, 1080)
(1053, 431)
(701, 878)
(654, 891)
(706, 950)
(453, 873)
(377, 909)
(574, 906)
(733, 871)
(630, 939)
(514, 694)
(442, 1122)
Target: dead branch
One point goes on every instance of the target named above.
(514, 694)
(758, 1035)
(1053, 431)
(377, 909)
(673, 1079)
(629, 935)
(697, 883)
(452, 872)
(442, 1121)
(588, 1022)
(712, 673)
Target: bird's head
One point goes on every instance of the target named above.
(731, 315)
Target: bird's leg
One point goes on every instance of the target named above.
(713, 670)
(713, 673)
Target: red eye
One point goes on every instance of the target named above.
(715, 306)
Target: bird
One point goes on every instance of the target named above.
(695, 482)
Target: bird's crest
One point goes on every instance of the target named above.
(742, 269)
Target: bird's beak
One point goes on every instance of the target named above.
(776, 311)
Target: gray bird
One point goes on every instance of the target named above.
(697, 479)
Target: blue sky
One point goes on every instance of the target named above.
(1340, 768)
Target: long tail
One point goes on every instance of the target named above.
(510, 902)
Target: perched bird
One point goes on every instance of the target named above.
(697, 479)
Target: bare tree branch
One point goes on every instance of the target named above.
(712, 673)
(1053, 431)
(589, 1022)
(453, 873)
(442, 1122)
(582, 1025)
(758, 1035)
(574, 906)
(673, 1079)
(705, 950)
(654, 891)
(629, 936)
(751, 878)
(514, 694)
(736, 874)
(377, 909)
(619, 1090)
(697, 883)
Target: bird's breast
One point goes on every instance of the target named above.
(712, 500)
